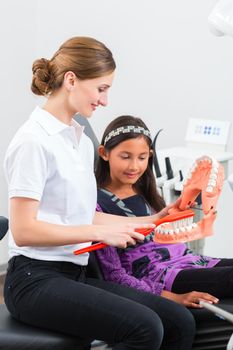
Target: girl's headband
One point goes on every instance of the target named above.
(125, 130)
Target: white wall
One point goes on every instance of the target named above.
(169, 66)
(17, 32)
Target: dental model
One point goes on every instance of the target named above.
(206, 177)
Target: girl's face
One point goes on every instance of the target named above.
(128, 161)
(86, 95)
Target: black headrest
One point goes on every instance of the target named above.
(3, 226)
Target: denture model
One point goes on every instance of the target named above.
(205, 177)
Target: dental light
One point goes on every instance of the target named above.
(220, 19)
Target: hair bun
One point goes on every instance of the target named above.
(41, 77)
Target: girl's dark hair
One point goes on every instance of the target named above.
(86, 57)
(146, 185)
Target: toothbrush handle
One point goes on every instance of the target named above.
(96, 246)
(91, 248)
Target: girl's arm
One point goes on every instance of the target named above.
(113, 271)
(29, 231)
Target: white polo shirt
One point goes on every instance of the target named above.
(52, 162)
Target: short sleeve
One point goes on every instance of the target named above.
(26, 169)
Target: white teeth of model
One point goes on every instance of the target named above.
(158, 230)
(209, 189)
(182, 229)
(194, 225)
(212, 183)
(183, 222)
(166, 231)
(177, 230)
(189, 228)
(180, 223)
(174, 224)
(213, 176)
(215, 165)
(171, 232)
(214, 169)
(215, 162)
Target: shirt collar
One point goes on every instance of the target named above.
(52, 125)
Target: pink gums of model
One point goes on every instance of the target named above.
(206, 177)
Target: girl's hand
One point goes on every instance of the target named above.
(121, 235)
(175, 205)
(190, 299)
(165, 211)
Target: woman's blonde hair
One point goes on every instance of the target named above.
(86, 57)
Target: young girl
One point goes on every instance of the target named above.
(52, 192)
(126, 186)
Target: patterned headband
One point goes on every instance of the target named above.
(125, 130)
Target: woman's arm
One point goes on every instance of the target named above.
(101, 218)
(27, 230)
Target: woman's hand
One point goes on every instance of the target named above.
(121, 235)
(190, 299)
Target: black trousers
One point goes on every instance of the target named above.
(217, 280)
(59, 296)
